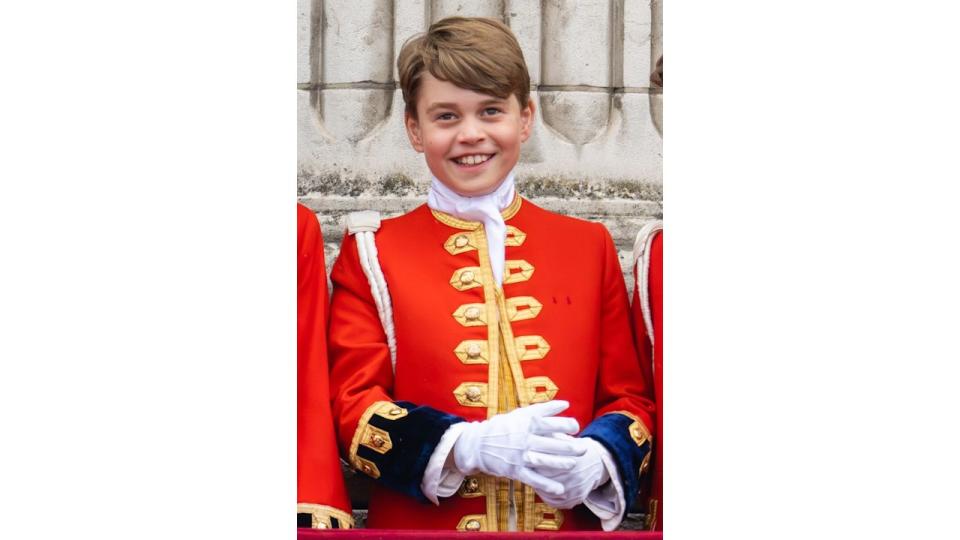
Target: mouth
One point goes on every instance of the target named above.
(472, 161)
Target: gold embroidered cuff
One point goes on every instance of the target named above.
(471, 315)
(531, 347)
(521, 308)
(466, 278)
(541, 389)
(473, 523)
(367, 435)
(516, 271)
(638, 431)
(376, 439)
(321, 514)
(473, 351)
(471, 394)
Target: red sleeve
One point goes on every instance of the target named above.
(321, 495)
(621, 385)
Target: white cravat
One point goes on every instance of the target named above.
(483, 208)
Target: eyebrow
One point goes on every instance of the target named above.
(447, 105)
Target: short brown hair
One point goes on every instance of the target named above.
(475, 53)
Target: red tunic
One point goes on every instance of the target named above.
(651, 358)
(559, 328)
(321, 497)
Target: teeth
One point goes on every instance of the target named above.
(473, 159)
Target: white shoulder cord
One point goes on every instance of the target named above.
(641, 257)
(362, 225)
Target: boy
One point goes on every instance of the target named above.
(498, 308)
(321, 497)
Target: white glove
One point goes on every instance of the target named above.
(504, 444)
(586, 475)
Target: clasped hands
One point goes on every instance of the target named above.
(532, 445)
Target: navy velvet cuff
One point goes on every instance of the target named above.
(613, 432)
(415, 436)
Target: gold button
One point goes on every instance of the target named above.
(472, 313)
(473, 525)
(366, 468)
(472, 485)
(473, 393)
(467, 277)
(395, 412)
(378, 441)
(460, 241)
(473, 351)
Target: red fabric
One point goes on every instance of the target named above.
(584, 318)
(381, 534)
(319, 480)
(651, 358)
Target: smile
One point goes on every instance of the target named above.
(473, 159)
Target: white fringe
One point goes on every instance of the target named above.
(641, 257)
(363, 225)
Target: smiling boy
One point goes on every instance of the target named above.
(505, 316)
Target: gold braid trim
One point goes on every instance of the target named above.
(322, 513)
(457, 223)
(385, 409)
(638, 425)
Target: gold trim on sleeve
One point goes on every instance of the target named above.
(376, 439)
(473, 351)
(639, 433)
(460, 242)
(368, 467)
(471, 315)
(515, 237)
(651, 522)
(521, 308)
(516, 271)
(471, 394)
(473, 523)
(638, 430)
(645, 464)
(548, 518)
(363, 433)
(320, 515)
(466, 278)
(541, 389)
(531, 347)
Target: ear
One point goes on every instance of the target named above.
(527, 115)
(413, 131)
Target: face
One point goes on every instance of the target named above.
(471, 141)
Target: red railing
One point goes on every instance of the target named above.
(387, 534)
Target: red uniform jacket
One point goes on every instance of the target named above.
(651, 358)
(321, 497)
(558, 328)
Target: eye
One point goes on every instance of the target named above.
(491, 111)
(445, 116)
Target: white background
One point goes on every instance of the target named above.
(147, 175)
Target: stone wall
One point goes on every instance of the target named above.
(595, 151)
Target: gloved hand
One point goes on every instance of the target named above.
(587, 474)
(503, 444)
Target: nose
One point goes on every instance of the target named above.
(470, 132)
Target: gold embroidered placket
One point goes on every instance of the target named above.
(504, 371)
